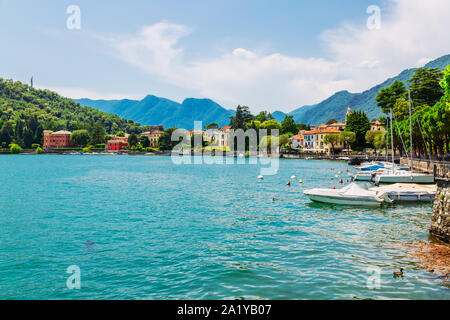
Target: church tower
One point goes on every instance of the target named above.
(349, 110)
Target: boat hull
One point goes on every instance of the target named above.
(341, 201)
(420, 179)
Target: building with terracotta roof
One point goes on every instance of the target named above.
(377, 126)
(323, 147)
(116, 145)
(152, 136)
(57, 140)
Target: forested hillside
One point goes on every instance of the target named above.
(26, 112)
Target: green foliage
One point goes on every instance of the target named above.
(80, 137)
(212, 126)
(425, 86)
(288, 125)
(38, 150)
(370, 136)
(379, 141)
(268, 143)
(264, 116)
(26, 112)
(347, 138)
(15, 149)
(331, 121)
(387, 97)
(165, 142)
(332, 139)
(431, 99)
(132, 140)
(144, 141)
(242, 118)
(358, 123)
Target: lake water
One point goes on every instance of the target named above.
(145, 228)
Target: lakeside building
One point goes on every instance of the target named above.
(297, 141)
(57, 140)
(123, 139)
(153, 136)
(116, 145)
(323, 147)
(309, 141)
(377, 126)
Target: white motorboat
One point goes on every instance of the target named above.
(352, 195)
(408, 192)
(404, 177)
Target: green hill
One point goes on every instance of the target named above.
(25, 112)
(336, 105)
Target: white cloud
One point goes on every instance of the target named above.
(79, 93)
(410, 32)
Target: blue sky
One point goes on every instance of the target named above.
(275, 55)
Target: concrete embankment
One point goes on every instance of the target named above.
(440, 223)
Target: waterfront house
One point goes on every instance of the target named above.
(323, 147)
(297, 141)
(116, 145)
(153, 136)
(57, 140)
(309, 141)
(377, 126)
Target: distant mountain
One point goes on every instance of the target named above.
(336, 105)
(154, 110)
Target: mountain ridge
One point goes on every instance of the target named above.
(157, 110)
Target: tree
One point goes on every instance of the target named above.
(284, 139)
(242, 117)
(288, 125)
(165, 142)
(270, 124)
(370, 136)
(120, 134)
(80, 137)
(332, 139)
(358, 123)
(269, 142)
(347, 138)
(132, 140)
(27, 138)
(264, 116)
(425, 86)
(387, 97)
(212, 126)
(97, 134)
(379, 141)
(145, 142)
(6, 133)
(331, 121)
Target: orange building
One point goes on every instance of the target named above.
(56, 140)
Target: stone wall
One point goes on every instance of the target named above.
(440, 223)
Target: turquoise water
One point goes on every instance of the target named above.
(144, 228)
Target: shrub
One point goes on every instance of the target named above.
(15, 149)
(38, 150)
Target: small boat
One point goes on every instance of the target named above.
(352, 194)
(404, 177)
(408, 192)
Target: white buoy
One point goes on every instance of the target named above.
(293, 177)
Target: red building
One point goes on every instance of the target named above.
(116, 145)
(56, 140)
